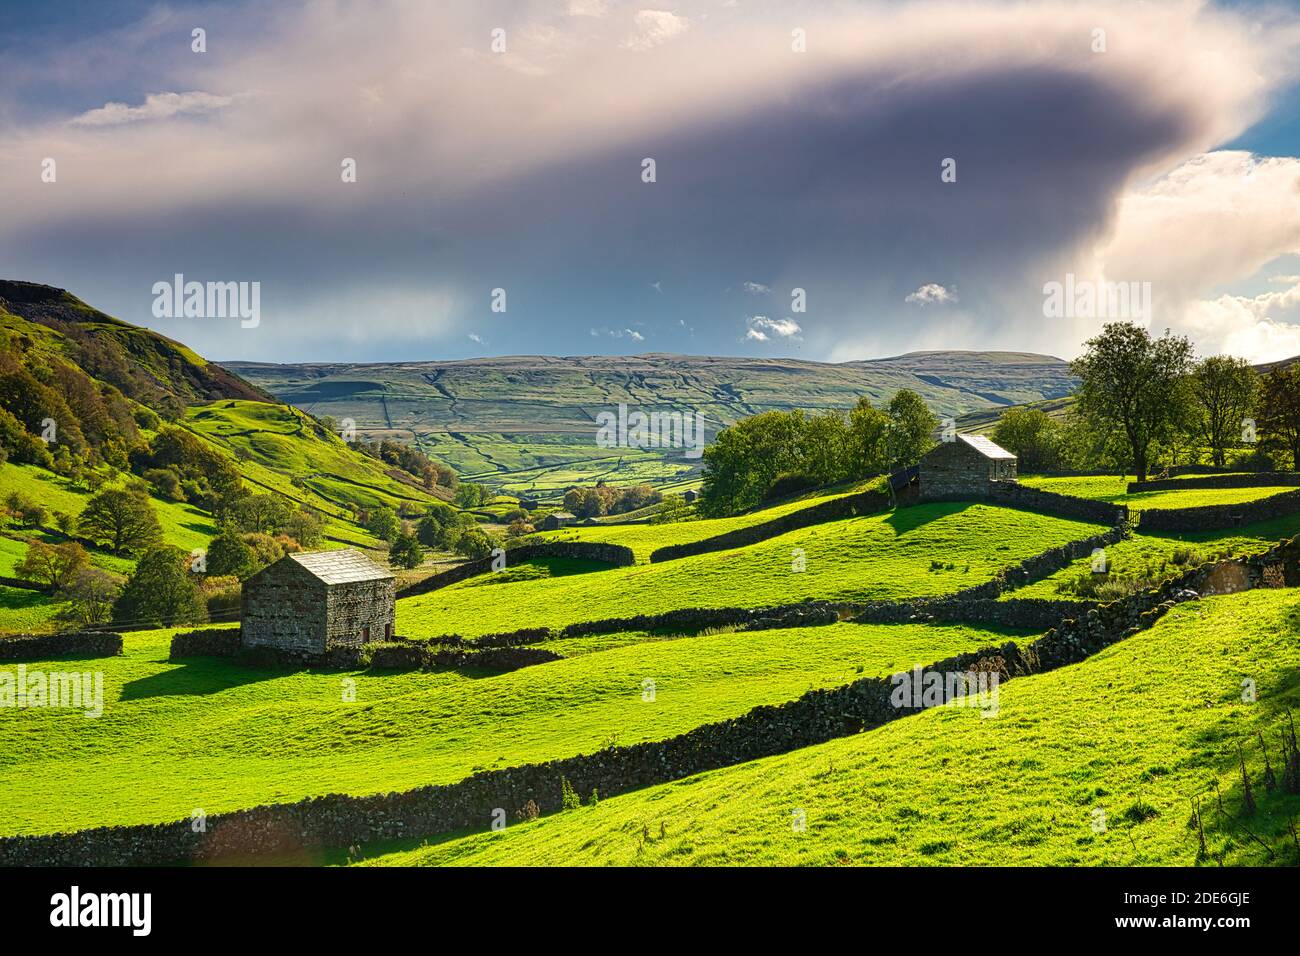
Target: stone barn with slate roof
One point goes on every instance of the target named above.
(963, 468)
(312, 602)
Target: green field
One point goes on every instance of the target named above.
(646, 538)
(1137, 732)
(1167, 555)
(209, 733)
(1115, 489)
(868, 558)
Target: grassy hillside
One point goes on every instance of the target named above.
(266, 736)
(527, 423)
(873, 557)
(1163, 555)
(138, 361)
(1115, 488)
(646, 538)
(113, 389)
(1137, 732)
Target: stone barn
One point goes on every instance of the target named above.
(964, 467)
(557, 520)
(690, 495)
(314, 601)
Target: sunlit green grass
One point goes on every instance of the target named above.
(921, 550)
(1136, 732)
(1115, 489)
(207, 733)
(1171, 554)
(646, 538)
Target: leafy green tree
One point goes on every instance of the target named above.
(1278, 424)
(1034, 437)
(1225, 389)
(305, 527)
(406, 552)
(469, 495)
(161, 591)
(266, 549)
(166, 484)
(744, 459)
(121, 518)
(52, 565)
(867, 442)
(475, 543)
(261, 513)
(383, 523)
(1138, 385)
(90, 596)
(912, 427)
(228, 553)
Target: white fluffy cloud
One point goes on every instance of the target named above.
(931, 294)
(1217, 219)
(157, 106)
(654, 27)
(761, 328)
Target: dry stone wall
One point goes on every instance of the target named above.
(816, 717)
(850, 506)
(26, 647)
(1017, 495)
(615, 554)
(1254, 479)
(1219, 517)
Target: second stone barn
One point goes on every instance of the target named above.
(962, 468)
(314, 601)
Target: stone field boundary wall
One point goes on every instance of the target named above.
(1017, 495)
(1254, 479)
(818, 716)
(615, 554)
(1219, 517)
(850, 506)
(25, 647)
(395, 655)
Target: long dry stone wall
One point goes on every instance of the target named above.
(25, 647)
(1219, 517)
(615, 554)
(1254, 479)
(1050, 502)
(849, 506)
(816, 717)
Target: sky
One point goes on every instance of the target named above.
(825, 180)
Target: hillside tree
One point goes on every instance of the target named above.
(1137, 384)
(121, 518)
(161, 591)
(912, 428)
(1278, 424)
(1034, 437)
(1225, 389)
(52, 565)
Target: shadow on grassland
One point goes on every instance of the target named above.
(910, 517)
(196, 677)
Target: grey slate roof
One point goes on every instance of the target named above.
(344, 566)
(987, 448)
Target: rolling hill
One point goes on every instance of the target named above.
(111, 389)
(527, 423)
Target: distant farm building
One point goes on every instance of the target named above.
(312, 602)
(963, 468)
(690, 495)
(557, 520)
(527, 503)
